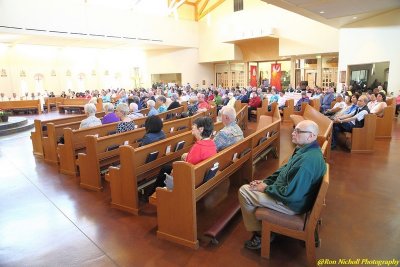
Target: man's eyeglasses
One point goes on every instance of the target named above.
(298, 131)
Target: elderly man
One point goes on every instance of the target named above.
(339, 106)
(347, 122)
(292, 188)
(231, 133)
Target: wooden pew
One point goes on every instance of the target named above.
(96, 156)
(74, 140)
(180, 224)
(41, 130)
(260, 110)
(50, 102)
(21, 105)
(361, 140)
(177, 208)
(324, 123)
(67, 104)
(384, 124)
(315, 103)
(288, 110)
(133, 169)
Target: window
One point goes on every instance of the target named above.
(237, 5)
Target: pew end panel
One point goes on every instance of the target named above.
(134, 169)
(363, 139)
(177, 208)
(288, 110)
(384, 124)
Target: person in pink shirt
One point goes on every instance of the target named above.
(203, 105)
(398, 104)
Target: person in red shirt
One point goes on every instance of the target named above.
(202, 149)
(254, 103)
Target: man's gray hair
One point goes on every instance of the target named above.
(108, 107)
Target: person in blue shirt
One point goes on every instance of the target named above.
(151, 105)
(154, 132)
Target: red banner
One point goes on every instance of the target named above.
(276, 75)
(253, 76)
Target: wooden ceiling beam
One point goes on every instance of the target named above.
(211, 8)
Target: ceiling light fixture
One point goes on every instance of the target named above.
(322, 12)
(354, 17)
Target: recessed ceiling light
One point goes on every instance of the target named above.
(354, 17)
(322, 12)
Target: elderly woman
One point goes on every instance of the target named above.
(380, 104)
(91, 120)
(151, 105)
(135, 113)
(126, 123)
(231, 133)
(203, 148)
(154, 132)
(110, 116)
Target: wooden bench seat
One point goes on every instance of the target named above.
(74, 139)
(384, 124)
(287, 110)
(177, 208)
(21, 105)
(361, 140)
(97, 157)
(324, 123)
(124, 180)
(41, 130)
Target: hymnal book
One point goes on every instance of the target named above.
(152, 156)
(113, 147)
(211, 172)
(244, 152)
(262, 140)
(179, 145)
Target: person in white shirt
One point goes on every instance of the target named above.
(339, 105)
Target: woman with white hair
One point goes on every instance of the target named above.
(135, 113)
(110, 116)
(91, 120)
(126, 123)
(151, 105)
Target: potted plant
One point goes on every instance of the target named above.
(4, 115)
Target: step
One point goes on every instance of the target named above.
(15, 125)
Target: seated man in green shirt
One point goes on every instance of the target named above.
(292, 189)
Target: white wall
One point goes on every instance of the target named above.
(297, 35)
(44, 60)
(183, 61)
(373, 40)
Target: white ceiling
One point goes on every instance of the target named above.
(71, 40)
(337, 13)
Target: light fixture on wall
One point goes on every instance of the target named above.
(3, 73)
(68, 73)
(53, 73)
(106, 73)
(22, 73)
(93, 73)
